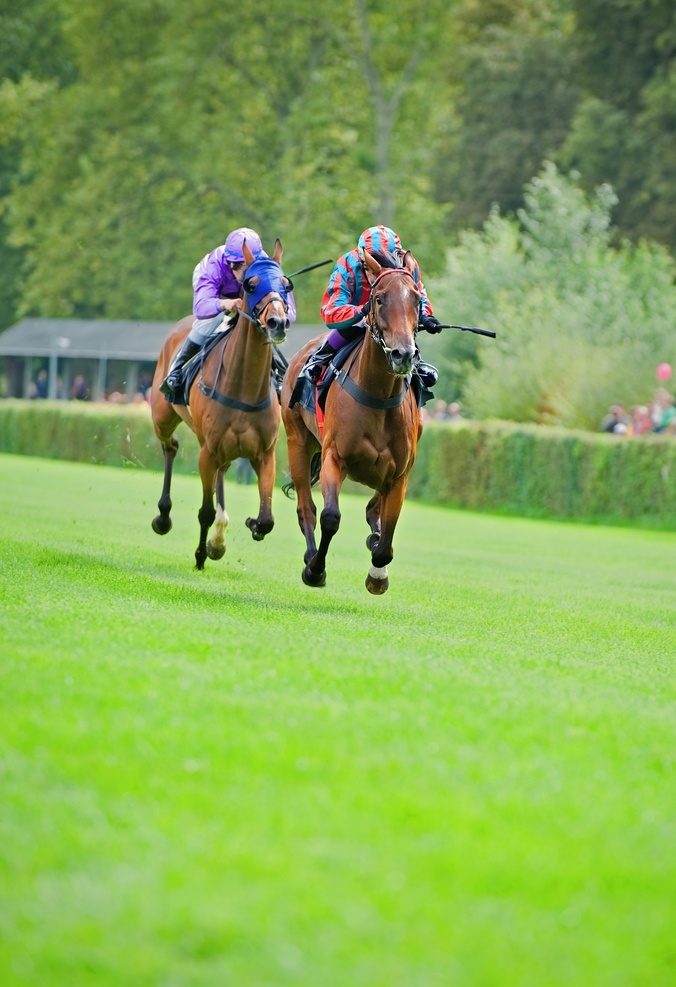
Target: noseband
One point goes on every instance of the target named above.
(257, 313)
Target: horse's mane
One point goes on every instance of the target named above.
(386, 259)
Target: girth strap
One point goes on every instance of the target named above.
(363, 397)
(232, 402)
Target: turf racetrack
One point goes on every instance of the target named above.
(228, 778)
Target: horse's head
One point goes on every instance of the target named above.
(395, 306)
(266, 289)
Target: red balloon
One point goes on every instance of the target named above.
(664, 371)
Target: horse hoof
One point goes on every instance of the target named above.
(256, 534)
(311, 578)
(377, 586)
(372, 541)
(161, 525)
(215, 553)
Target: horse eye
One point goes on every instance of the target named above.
(379, 299)
(249, 285)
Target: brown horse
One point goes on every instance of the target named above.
(233, 408)
(371, 426)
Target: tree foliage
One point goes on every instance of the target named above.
(580, 323)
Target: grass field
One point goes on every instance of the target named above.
(228, 778)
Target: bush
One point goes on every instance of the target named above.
(528, 470)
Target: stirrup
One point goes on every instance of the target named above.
(428, 374)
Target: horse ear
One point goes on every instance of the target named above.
(409, 262)
(248, 256)
(250, 283)
(279, 250)
(372, 264)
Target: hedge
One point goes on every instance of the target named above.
(527, 470)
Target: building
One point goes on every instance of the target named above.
(108, 355)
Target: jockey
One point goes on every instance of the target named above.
(345, 302)
(217, 292)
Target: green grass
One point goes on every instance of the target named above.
(228, 778)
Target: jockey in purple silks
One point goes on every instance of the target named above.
(346, 301)
(217, 292)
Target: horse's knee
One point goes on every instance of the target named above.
(330, 520)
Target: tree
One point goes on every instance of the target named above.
(580, 324)
(624, 130)
(176, 127)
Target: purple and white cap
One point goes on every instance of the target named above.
(233, 244)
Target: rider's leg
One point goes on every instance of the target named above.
(193, 343)
(428, 374)
(334, 341)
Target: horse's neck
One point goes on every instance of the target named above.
(372, 372)
(246, 360)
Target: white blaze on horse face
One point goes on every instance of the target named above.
(220, 524)
(376, 573)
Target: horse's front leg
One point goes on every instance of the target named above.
(377, 581)
(373, 521)
(216, 544)
(314, 573)
(265, 470)
(206, 513)
(162, 523)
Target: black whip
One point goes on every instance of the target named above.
(311, 267)
(480, 332)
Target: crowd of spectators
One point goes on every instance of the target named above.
(80, 390)
(656, 417)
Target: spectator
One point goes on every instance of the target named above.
(662, 411)
(616, 421)
(40, 388)
(455, 411)
(641, 421)
(440, 411)
(80, 390)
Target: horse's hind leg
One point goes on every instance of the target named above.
(264, 523)
(373, 521)
(216, 544)
(162, 523)
(377, 581)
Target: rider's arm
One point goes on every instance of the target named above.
(346, 294)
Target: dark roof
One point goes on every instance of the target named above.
(109, 339)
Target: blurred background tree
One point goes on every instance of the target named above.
(135, 135)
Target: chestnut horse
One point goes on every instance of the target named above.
(371, 426)
(233, 408)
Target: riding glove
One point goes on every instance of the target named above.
(429, 323)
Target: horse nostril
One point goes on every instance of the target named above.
(403, 357)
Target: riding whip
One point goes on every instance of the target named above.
(480, 332)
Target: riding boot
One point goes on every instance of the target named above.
(173, 382)
(428, 374)
(315, 365)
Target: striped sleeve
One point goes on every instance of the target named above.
(346, 293)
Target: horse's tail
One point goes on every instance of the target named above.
(315, 468)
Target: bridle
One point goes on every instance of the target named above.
(257, 313)
(371, 319)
